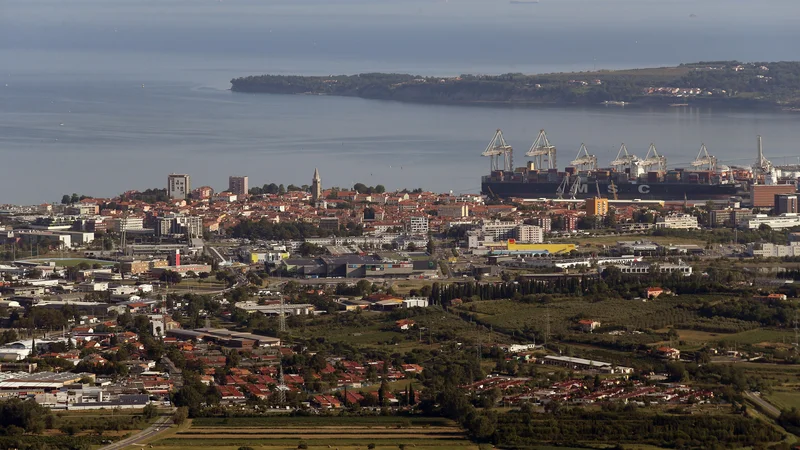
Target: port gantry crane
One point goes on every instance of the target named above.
(704, 160)
(654, 159)
(762, 164)
(576, 186)
(496, 149)
(563, 186)
(625, 159)
(542, 152)
(585, 161)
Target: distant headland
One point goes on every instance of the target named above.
(732, 84)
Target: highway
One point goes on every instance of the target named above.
(159, 426)
(765, 406)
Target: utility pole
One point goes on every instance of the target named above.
(547, 328)
(282, 318)
(281, 385)
(479, 342)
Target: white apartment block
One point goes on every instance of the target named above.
(418, 225)
(178, 186)
(500, 230)
(678, 221)
(644, 268)
(128, 224)
(530, 233)
(767, 250)
(788, 220)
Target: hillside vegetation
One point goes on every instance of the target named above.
(731, 83)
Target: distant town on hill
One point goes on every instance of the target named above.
(732, 84)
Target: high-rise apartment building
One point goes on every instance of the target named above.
(418, 225)
(597, 206)
(238, 186)
(178, 186)
(785, 203)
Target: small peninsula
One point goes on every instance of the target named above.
(733, 84)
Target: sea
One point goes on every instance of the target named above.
(98, 97)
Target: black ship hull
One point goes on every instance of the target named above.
(624, 191)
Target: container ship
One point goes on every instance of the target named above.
(628, 177)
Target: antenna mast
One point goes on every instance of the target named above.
(281, 385)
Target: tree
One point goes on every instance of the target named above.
(180, 416)
(309, 249)
(431, 246)
(65, 200)
(170, 276)
(27, 415)
(150, 411)
(75, 198)
(363, 287)
(412, 247)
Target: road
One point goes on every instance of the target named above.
(159, 426)
(766, 406)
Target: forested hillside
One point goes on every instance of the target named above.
(767, 85)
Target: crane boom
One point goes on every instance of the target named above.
(496, 149)
(705, 160)
(562, 187)
(543, 152)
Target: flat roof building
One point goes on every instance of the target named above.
(238, 185)
(178, 186)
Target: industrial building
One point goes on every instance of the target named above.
(225, 337)
(763, 196)
(638, 268)
(346, 266)
(40, 381)
(274, 309)
(584, 364)
(767, 250)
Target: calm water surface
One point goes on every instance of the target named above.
(74, 116)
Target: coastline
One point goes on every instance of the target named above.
(724, 84)
(665, 104)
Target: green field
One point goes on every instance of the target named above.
(763, 336)
(198, 285)
(784, 399)
(563, 313)
(311, 421)
(285, 432)
(377, 329)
